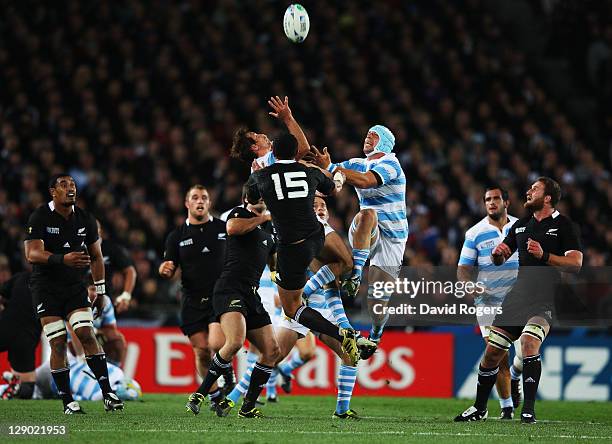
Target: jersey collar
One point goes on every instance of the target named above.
(210, 218)
(554, 215)
(285, 161)
(52, 206)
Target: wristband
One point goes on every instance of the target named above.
(545, 256)
(56, 259)
(100, 287)
(125, 296)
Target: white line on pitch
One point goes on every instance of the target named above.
(353, 432)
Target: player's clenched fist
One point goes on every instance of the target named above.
(501, 253)
(166, 269)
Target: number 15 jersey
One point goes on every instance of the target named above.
(288, 189)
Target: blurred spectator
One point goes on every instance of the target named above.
(139, 100)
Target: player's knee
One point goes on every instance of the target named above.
(492, 356)
(368, 217)
(272, 355)
(202, 354)
(233, 345)
(86, 336)
(58, 346)
(531, 339)
(306, 355)
(529, 346)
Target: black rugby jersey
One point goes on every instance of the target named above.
(199, 250)
(288, 189)
(556, 234)
(20, 310)
(116, 258)
(61, 236)
(246, 255)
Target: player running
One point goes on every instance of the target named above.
(479, 242)
(288, 188)
(546, 242)
(238, 307)
(198, 248)
(289, 333)
(380, 229)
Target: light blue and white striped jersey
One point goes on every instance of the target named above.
(267, 289)
(480, 240)
(266, 160)
(83, 383)
(108, 315)
(317, 299)
(388, 199)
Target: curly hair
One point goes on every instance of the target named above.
(241, 145)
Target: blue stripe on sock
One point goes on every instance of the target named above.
(346, 382)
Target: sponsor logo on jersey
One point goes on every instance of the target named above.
(186, 242)
(221, 236)
(519, 230)
(235, 303)
(66, 245)
(81, 232)
(205, 250)
(39, 308)
(265, 242)
(53, 230)
(552, 232)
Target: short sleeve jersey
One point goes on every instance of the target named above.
(288, 189)
(199, 250)
(247, 254)
(556, 234)
(61, 236)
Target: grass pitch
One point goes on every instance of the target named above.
(303, 419)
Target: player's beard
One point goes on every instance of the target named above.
(198, 217)
(499, 214)
(534, 204)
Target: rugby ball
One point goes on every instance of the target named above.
(296, 23)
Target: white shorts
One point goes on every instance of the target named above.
(384, 253)
(485, 321)
(328, 229)
(267, 299)
(290, 324)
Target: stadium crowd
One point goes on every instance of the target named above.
(139, 100)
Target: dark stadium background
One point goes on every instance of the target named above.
(138, 100)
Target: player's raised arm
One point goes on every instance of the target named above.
(283, 113)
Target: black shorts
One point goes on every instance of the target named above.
(56, 300)
(231, 295)
(195, 316)
(21, 345)
(517, 310)
(294, 259)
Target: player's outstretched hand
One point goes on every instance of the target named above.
(77, 259)
(321, 158)
(98, 306)
(166, 269)
(281, 108)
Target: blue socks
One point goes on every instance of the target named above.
(359, 259)
(334, 303)
(346, 381)
(318, 280)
